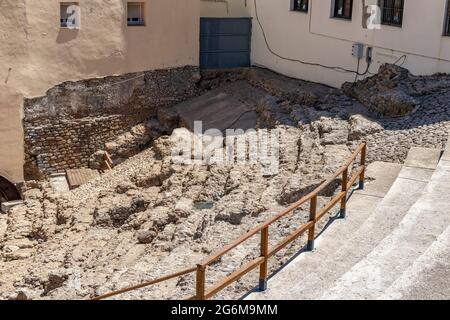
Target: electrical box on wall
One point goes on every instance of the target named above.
(358, 50)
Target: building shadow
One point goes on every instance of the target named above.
(66, 35)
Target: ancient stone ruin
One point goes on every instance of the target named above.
(149, 214)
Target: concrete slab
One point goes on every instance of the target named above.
(217, 111)
(7, 206)
(381, 177)
(423, 158)
(419, 174)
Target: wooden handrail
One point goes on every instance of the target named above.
(146, 284)
(265, 253)
(234, 276)
(355, 176)
(297, 233)
(339, 197)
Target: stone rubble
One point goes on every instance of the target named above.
(151, 216)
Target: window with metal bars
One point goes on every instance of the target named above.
(447, 20)
(299, 5)
(392, 12)
(135, 14)
(343, 9)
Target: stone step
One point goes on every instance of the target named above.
(428, 278)
(424, 222)
(372, 214)
(423, 158)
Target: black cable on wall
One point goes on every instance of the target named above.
(337, 68)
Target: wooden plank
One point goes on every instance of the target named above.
(263, 272)
(78, 177)
(344, 189)
(200, 282)
(312, 218)
(146, 284)
(363, 164)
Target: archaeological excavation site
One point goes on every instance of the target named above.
(163, 167)
(110, 225)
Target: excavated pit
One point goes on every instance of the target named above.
(151, 216)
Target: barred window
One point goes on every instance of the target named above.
(135, 14)
(392, 12)
(343, 9)
(299, 5)
(447, 20)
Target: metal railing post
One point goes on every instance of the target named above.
(200, 287)
(263, 269)
(312, 217)
(343, 211)
(362, 177)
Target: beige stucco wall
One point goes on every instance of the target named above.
(36, 54)
(11, 135)
(224, 8)
(315, 37)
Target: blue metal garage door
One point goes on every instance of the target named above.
(225, 42)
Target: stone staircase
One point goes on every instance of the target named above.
(394, 243)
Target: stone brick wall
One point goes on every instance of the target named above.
(76, 119)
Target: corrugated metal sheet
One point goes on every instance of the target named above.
(225, 42)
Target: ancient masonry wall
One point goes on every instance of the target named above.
(64, 128)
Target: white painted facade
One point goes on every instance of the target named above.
(316, 37)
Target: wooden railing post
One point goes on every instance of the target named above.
(312, 217)
(200, 287)
(362, 177)
(263, 269)
(344, 189)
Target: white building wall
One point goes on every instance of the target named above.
(224, 8)
(315, 37)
